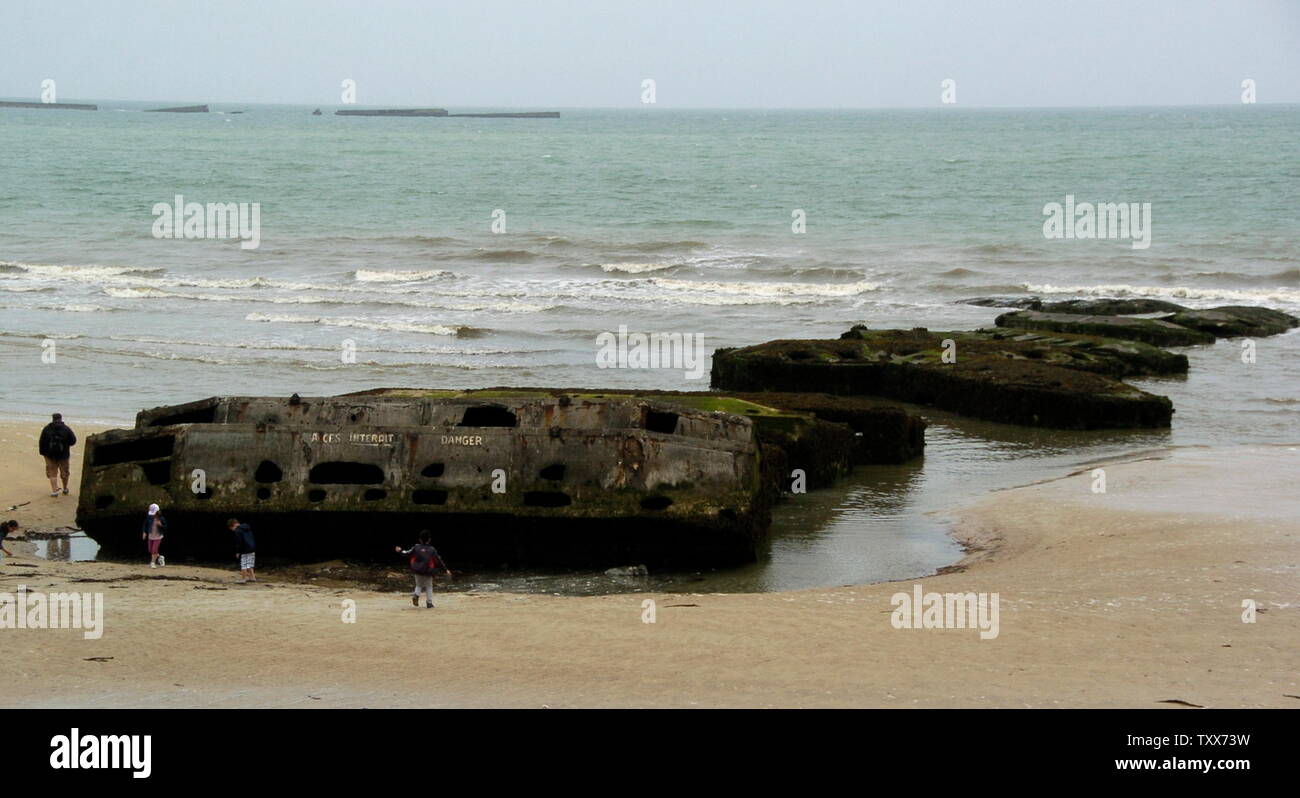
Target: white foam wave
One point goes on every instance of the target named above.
(77, 308)
(387, 276)
(775, 290)
(635, 268)
(131, 276)
(82, 270)
(150, 293)
(335, 321)
(1173, 292)
(295, 347)
(510, 306)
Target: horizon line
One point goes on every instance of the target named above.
(630, 107)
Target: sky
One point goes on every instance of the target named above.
(699, 53)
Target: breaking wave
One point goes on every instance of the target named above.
(363, 324)
(296, 347)
(387, 276)
(87, 270)
(1176, 292)
(635, 268)
(775, 290)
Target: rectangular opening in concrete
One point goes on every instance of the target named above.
(660, 421)
(488, 416)
(132, 451)
(158, 473)
(344, 472)
(202, 415)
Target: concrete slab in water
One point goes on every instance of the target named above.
(500, 476)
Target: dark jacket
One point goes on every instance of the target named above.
(148, 522)
(244, 543)
(424, 559)
(57, 440)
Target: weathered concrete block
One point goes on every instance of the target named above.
(988, 378)
(1233, 321)
(1094, 307)
(1151, 331)
(498, 477)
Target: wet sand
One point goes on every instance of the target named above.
(1128, 598)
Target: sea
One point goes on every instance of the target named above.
(469, 252)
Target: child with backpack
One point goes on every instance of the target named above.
(425, 562)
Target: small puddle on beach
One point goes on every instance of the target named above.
(64, 547)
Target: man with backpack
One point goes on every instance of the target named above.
(425, 562)
(55, 445)
(245, 549)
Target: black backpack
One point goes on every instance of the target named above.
(424, 559)
(55, 446)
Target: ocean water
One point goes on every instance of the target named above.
(378, 234)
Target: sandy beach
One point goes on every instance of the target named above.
(1131, 598)
(24, 476)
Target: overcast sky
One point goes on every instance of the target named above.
(702, 54)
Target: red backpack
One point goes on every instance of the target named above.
(424, 559)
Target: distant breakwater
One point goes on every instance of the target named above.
(54, 106)
(404, 112)
(442, 112)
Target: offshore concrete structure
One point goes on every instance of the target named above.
(442, 112)
(50, 106)
(581, 476)
(509, 475)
